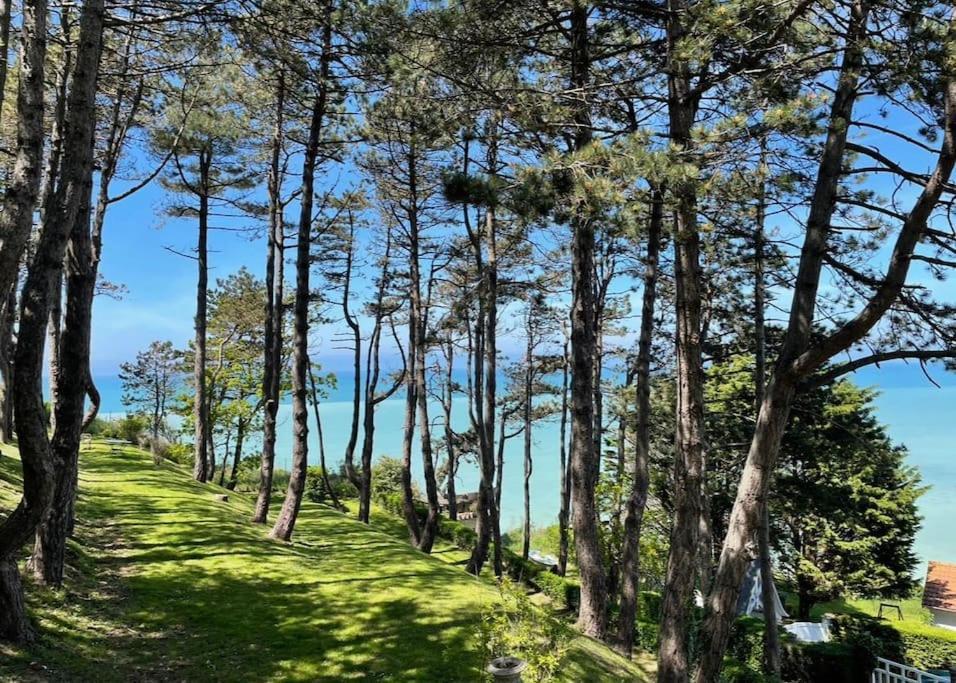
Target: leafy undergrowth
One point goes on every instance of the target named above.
(168, 583)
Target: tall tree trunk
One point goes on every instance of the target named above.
(798, 358)
(237, 455)
(353, 324)
(275, 274)
(49, 549)
(40, 463)
(408, 434)
(200, 401)
(313, 387)
(372, 372)
(419, 318)
(285, 522)
(5, 11)
(592, 616)
(689, 443)
(771, 638)
(640, 469)
(565, 476)
(447, 402)
(21, 191)
(526, 415)
(8, 321)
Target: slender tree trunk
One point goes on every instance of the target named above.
(798, 358)
(318, 428)
(50, 547)
(411, 401)
(449, 397)
(592, 617)
(21, 191)
(419, 316)
(684, 556)
(285, 522)
(38, 460)
(237, 455)
(640, 470)
(353, 324)
(526, 414)
(372, 372)
(5, 11)
(200, 401)
(565, 484)
(771, 639)
(272, 361)
(8, 321)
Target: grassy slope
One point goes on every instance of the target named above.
(171, 584)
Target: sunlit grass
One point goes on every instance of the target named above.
(168, 583)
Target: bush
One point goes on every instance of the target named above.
(927, 647)
(387, 479)
(746, 646)
(317, 491)
(564, 592)
(919, 645)
(515, 627)
(649, 606)
(128, 428)
(457, 533)
(646, 635)
(180, 453)
(831, 662)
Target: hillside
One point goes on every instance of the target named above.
(169, 583)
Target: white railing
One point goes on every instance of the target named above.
(894, 672)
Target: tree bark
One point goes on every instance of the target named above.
(39, 461)
(640, 469)
(689, 441)
(20, 194)
(8, 321)
(798, 358)
(771, 638)
(592, 616)
(565, 477)
(285, 522)
(353, 324)
(313, 387)
(237, 455)
(372, 372)
(200, 400)
(275, 267)
(526, 415)
(447, 402)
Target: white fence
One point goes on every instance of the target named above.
(893, 672)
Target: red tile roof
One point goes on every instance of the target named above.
(940, 591)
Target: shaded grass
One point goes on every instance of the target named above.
(168, 583)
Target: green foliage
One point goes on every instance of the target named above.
(565, 592)
(128, 428)
(317, 491)
(920, 645)
(515, 627)
(843, 509)
(180, 453)
(457, 533)
(387, 480)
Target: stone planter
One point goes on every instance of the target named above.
(507, 669)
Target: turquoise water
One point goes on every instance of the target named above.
(918, 415)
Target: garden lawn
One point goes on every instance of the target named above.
(168, 583)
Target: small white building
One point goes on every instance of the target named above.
(939, 594)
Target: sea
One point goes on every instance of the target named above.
(917, 413)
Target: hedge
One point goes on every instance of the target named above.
(920, 645)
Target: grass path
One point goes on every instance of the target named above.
(169, 583)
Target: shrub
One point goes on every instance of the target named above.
(646, 635)
(515, 627)
(746, 645)
(814, 662)
(457, 533)
(927, 647)
(649, 606)
(180, 453)
(387, 478)
(563, 591)
(920, 645)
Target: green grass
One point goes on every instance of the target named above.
(912, 608)
(167, 583)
